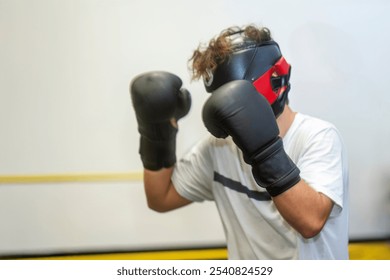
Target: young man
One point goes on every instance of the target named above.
(279, 178)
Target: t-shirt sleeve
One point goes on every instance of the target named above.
(321, 165)
(193, 174)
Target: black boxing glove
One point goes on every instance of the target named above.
(158, 101)
(238, 110)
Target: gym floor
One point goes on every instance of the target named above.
(362, 250)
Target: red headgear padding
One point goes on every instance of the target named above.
(264, 83)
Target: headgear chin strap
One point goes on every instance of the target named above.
(262, 64)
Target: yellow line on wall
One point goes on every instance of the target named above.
(72, 177)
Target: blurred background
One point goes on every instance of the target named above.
(70, 173)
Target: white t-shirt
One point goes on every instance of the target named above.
(214, 169)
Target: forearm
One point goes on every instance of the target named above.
(305, 209)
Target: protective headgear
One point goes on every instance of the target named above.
(260, 63)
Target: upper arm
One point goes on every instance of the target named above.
(173, 199)
(304, 208)
(323, 165)
(319, 153)
(160, 192)
(189, 180)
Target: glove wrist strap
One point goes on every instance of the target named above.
(274, 170)
(157, 154)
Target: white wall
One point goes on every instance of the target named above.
(65, 68)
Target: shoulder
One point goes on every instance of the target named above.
(310, 128)
(210, 148)
(312, 135)
(314, 124)
(211, 144)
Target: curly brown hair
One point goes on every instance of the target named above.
(205, 59)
